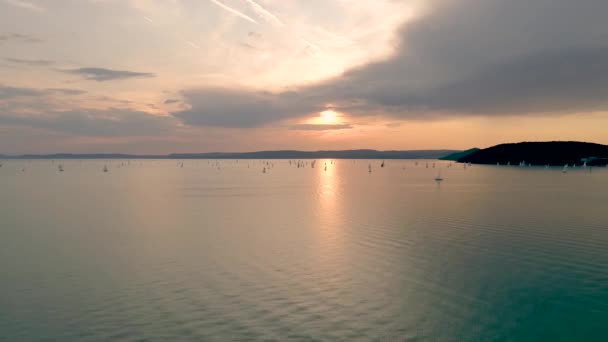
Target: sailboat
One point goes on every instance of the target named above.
(105, 168)
(382, 165)
(438, 178)
(60, 168)
(369, 168)
(264, 170)
(565, 169)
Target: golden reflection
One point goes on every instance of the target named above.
(328, 199)
(327, 185)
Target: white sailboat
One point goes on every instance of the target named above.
(565, 169)
(438, 178)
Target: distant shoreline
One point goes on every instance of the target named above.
(285, 154)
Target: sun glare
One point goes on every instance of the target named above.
(328, 117)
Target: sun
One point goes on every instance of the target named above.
(328, 117)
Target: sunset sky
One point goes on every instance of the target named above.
(162, 76)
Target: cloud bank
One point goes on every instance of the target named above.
(464, 57)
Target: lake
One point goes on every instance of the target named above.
(220, 251)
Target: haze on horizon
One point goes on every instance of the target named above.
(162, 76)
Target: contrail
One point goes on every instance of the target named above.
(233, 11)
(264, 13)
(192, 44)
(315, 49)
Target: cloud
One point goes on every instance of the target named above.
(19, 37)
(102, 74)
(7, 92)
(320, 127)
(26, 5)
(255, 35)
(99, 123)
(171, 101)
(248, 46)
(242, 108)
(66, 91)
(574, 79)
(463, 57)
(233, 11)
(29, 62)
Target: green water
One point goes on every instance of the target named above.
(219, 252)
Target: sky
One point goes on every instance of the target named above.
(163, 76)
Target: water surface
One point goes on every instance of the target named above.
(220, 251)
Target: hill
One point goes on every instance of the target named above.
(457, 155)
(555, 153)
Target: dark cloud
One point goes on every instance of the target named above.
(19, 37)
(242, 108)
(171, 101)
(102, 74)
(102, 123)
(7, 92)
(13, 92)
(463, 57)
(320, 127)
(29, 62)
(575, 79)
(66, 91)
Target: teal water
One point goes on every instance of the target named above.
(151, 251)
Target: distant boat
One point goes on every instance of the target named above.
(382, 165)
(264, 170)
(438, 178)
(60, 168)
(565, 169)
(369, 168)
(105, 168)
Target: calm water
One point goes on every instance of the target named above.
(152, 251)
